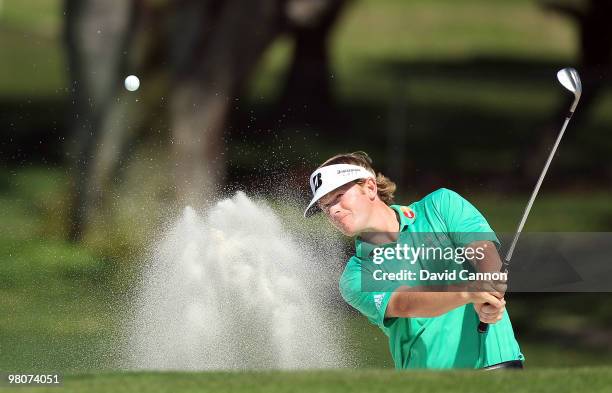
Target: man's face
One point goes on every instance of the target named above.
(347, 208)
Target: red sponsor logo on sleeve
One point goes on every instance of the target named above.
(408, 213)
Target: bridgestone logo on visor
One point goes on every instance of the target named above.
(347, 170)
(317, 181)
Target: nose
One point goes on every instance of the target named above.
(335, 209)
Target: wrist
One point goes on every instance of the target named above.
(466, 297)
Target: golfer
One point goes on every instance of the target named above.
(427, 327)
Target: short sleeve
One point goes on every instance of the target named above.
(373, 305)
(464, 222)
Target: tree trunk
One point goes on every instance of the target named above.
(96, 34)
(308, 88)
(206, 89)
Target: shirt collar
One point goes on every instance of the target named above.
(406, 217)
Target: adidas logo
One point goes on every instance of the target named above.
(378, 300)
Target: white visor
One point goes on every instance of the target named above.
(326, 179)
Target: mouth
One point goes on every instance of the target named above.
(340, 220)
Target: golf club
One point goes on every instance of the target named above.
(570, 79)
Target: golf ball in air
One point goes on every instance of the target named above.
(132, 83)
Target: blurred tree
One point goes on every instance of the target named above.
(595, 35)
(221, 43)
(209, 49)
(308, 81)
(97, 34)
(593, 19)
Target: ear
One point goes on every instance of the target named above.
(370, 188)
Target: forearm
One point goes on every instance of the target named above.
(490, 261)
(411, 302)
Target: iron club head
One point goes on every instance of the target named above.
(570, 79)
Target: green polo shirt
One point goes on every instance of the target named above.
(450, 340)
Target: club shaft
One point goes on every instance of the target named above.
(482, 326)
(575, 86)
(534, 194)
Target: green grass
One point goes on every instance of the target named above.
(546, 380)
(56, 297)
(31, 50)
(552, 212)
(42, 17)
(51, 325)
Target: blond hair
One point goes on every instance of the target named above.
(386, 188)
